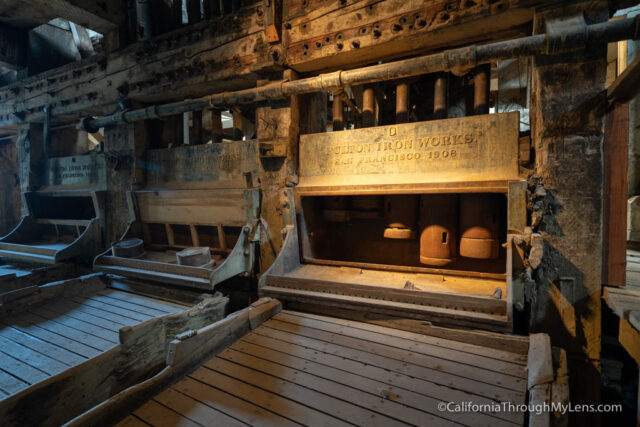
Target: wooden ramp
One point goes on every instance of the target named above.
(305, 369)
(48, 339)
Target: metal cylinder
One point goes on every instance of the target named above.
(402, 102)
(481, 89)
(238, 129)
(438, 220)
(479, 225)
(336, 209)
(440, 97)
(338, 113)
(368, 107)
(401, 214)
(216, 126)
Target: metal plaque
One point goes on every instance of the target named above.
(476, 148)
(88, 171)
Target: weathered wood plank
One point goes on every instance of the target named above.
(298, 391)
(10, 384)
(442, 366)
(79, 325)
(162, 305)
(453, 352)
(68, 332)
(55, 352)
(90, 319)
(246, 411)
(95, 312)
(21, 370)
(157, 415)
(432, 375)
(285, 368)
(132, 421)
(128, 306)
(32, 328)
(32, 358)
(110, 308)
(195, 410)
(273, 402)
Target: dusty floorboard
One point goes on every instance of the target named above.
(300, 368)
(48, 339)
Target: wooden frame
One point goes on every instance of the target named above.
(218, 207)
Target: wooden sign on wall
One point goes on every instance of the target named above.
(219, 165)
(88, 171)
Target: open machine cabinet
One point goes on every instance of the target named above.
(410, 220)
(64, 222)
(195, 224)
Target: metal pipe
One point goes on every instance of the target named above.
(338, 113)
(481, 90)
(440, 97)
(553, 42)
(402, 102)
(368, 107)
(143, 20)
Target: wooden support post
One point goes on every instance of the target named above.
(238, 129)
(170, 236)
(616, 164)
(196, 126)
(195, 239)
(368, 107)
(338, 113)
(216, 126)
(440, 97)
(402, 102)
(222, 237)
(481, 89)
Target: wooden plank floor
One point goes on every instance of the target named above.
(305, 369)
(48, 339)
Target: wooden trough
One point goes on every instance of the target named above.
(64, 223)
(67, 346)
(266, 366)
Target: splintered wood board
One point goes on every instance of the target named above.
(300, 368)
(49, 339)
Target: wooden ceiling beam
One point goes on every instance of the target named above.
(101, 16)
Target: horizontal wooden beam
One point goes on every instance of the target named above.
(226, 53)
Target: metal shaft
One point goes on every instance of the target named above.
(481, 90)
(440, 96)
(338, 113)
(402, 102)
(368, 107)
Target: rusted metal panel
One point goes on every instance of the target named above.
(479, 148)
